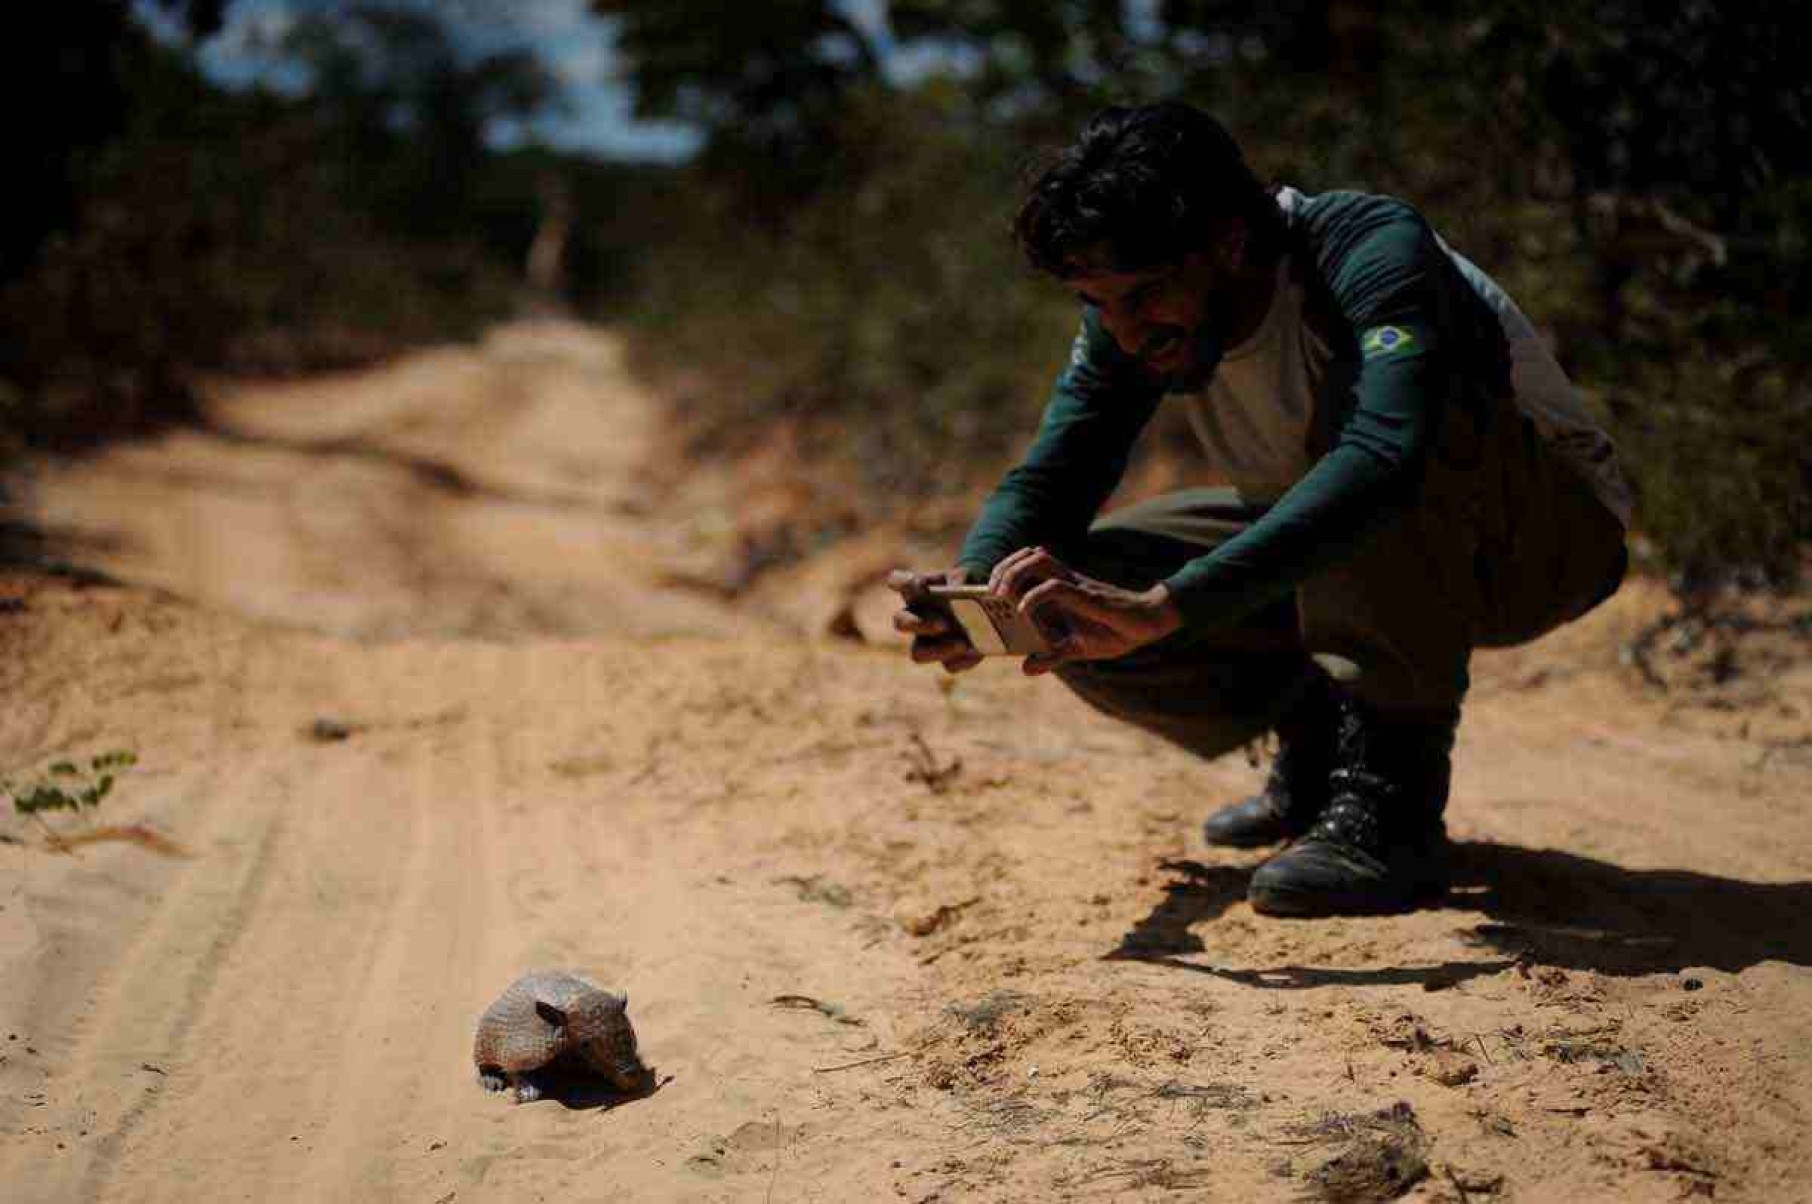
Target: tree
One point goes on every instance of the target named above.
(764, 80)
(767, 69)
(410, 109)
(1030, 54)
(67, 76)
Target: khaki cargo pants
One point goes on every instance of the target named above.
(1506, 543)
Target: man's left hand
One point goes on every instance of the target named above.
(1085, 619)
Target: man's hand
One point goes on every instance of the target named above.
(935, 640)
(1085, 619)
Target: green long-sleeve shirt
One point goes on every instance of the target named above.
(1408, 340)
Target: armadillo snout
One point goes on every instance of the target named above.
(630, 1077)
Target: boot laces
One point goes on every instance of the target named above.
(1351, 818)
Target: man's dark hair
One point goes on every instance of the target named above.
(1150, 182)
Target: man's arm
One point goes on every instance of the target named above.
(1099, 405)
(1394, 286)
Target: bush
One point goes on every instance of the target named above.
(889, 319)
(217, 233)
(887, 316)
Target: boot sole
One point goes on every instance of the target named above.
(1310, 904)
(1247, 842)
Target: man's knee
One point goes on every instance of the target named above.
(1207, 720)
(1139, 545)
(1128, 556)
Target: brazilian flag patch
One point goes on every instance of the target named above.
(1386, 340)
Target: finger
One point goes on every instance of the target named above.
(913, 623)
(1062, 653)
(1048, 594)
(1006, 564)
(964, 663)
(908, 584)
(1008, 569)
(1025, 573)
(1054, 608)
(926, 651)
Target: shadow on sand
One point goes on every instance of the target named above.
(578, 1089)
(1541, 905)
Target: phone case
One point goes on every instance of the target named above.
(992, 624)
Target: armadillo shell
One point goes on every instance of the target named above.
(512, 1035)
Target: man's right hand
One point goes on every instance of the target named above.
(935, 639)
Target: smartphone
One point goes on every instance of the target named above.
(992, 624)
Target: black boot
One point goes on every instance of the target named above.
(1380, 845)
(1296, 789)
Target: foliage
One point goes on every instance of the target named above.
(1030, 57)
(66, 786)
(404, 112)
(1647, 201)
(1637, 173)
(768, 81)
(67, 75)
(761, 72)
(252, 232)
(891, 322)
(217, 235)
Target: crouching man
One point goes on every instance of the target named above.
(1404, 475)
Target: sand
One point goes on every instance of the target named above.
(884, 936)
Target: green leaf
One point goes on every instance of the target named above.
(64, 769)
(43, 798)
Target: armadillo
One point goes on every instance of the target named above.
(548, 1017)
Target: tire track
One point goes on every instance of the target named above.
(424, 934)
(343, 899)
(200, 924)
(115, 974)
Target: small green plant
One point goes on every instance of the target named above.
(68, 786)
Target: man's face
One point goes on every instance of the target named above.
(1169, 317)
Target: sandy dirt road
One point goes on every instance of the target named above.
(883, 938)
